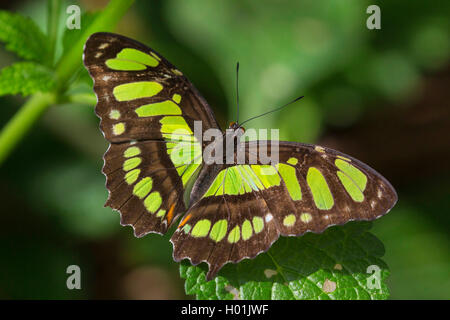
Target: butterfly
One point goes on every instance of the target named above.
(156, 171)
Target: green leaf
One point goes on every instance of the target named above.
(22, 36)
(332, 265)
(25, 78)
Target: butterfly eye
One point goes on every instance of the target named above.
(232, 124)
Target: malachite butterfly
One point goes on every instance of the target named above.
(230, 211)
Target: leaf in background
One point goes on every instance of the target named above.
(332, 265)
(22, 36)
(25, 78)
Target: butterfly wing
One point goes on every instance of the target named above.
(147, 109)
(248, 207)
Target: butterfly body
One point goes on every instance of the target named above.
(228, 141)
(204, 180)
(237, 206)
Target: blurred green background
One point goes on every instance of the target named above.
(381, 96)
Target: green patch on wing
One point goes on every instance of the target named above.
(242, 179)
(130, 59)
(332, 265)
(186, 157)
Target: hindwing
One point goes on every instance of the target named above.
(249, 206)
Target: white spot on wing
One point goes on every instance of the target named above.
(114, 114)
(319, 149)
(269, 217)
(103, 45)
(177, 72)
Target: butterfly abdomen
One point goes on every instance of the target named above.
(204, 180)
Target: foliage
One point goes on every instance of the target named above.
(332, 265)
(23, 37)
(25, 78)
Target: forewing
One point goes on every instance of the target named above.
(136, 88)
(147, 109)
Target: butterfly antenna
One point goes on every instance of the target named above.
(277, 109)
(237, 91)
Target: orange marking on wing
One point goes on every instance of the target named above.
(182, 223)
(170, 214)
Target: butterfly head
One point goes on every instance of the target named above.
(235, 126)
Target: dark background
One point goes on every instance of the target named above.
(381, 96)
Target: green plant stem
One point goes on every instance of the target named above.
(54, 8)
(68, 64)
(29, 113)
(83, 98)
(19, 125)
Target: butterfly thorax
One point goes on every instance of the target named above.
(235, 126)
(229, 143)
